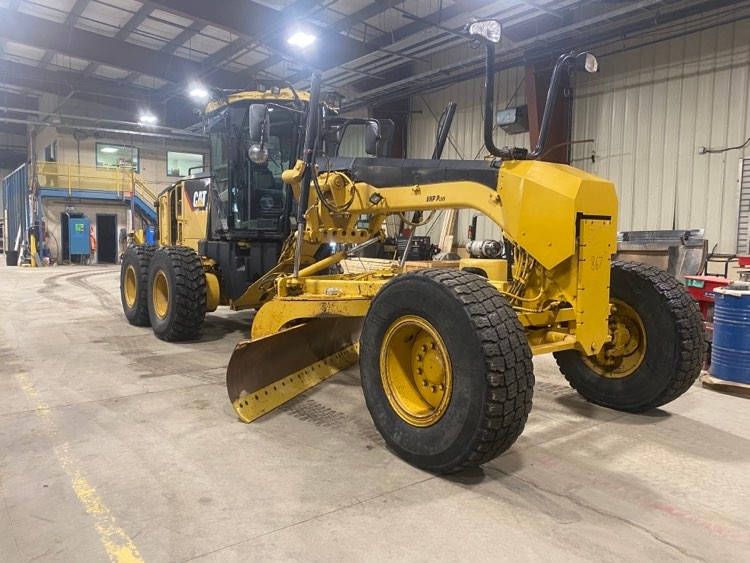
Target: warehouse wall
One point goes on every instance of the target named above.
(466, 140)
(52, 209)
(153, 153)
(649, 109)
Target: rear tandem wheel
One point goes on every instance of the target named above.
(134, 284)
(446, 369)
(657, 348)
(176, 293)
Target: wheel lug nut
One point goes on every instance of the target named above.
(423, 348)
(433, 389)
(419, 371)
(424, 383)
(441, 387)
(433, 345)
(419, 357)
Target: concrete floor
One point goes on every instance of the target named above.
(114, 445)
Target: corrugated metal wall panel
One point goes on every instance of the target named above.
(649, 109)
(743, 220)
(466, 140)
(16, 205)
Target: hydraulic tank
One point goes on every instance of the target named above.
(730, 357)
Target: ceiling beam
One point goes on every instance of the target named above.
(12, 6)
(63, 82)
(135, 20)
(169, 49)
(435, 19)
(70, 21)
(176, 112)
(45, 34)
(460, 7)
(632, 16)
(358, 17)
(11, 99)
(16, 101)
(257, 22)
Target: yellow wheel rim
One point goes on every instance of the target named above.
(415, 370)
(131, 286)
(161, 294)
(624, 354)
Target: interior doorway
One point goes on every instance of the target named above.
(106, 239)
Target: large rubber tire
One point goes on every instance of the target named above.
(134, 277)
(675, 341)
(185, 280)
(493, 376)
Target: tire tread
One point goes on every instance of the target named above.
(683, 309)
(189, 299)
(142, 255)
(509, 369)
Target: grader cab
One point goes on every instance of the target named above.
(445, 355)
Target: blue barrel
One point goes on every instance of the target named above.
(730, 356)
(151, 236)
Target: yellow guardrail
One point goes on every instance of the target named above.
(85, 177)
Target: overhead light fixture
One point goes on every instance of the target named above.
(110, 149)
(301, 39)
(147, 119)
(198, 93)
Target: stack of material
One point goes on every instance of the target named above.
(446, 233)
(357, 265)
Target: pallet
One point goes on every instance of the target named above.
(361, 265)
(734, 387)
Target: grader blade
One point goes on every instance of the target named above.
(267, 372)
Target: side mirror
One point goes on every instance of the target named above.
(378, 134)
(587, 61)
(258, 123)
(258, 132)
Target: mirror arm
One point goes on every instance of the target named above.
(564, 62)
(308, 157)
(263, 127)
(444, 127)
(489, 102)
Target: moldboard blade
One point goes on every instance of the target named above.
(267, 372)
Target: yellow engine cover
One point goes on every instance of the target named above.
(543, 202)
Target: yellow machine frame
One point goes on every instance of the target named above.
(563, 218)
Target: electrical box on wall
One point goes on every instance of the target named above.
(513, 120)
(78, 236)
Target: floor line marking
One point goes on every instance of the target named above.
(116, 542)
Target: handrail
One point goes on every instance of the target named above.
(85, 177)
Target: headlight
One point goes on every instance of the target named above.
(587, 62)
(491, 30)
(257, 154)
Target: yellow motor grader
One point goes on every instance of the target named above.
(444, 354)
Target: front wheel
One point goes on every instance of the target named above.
(446, 369)
(657, 343)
